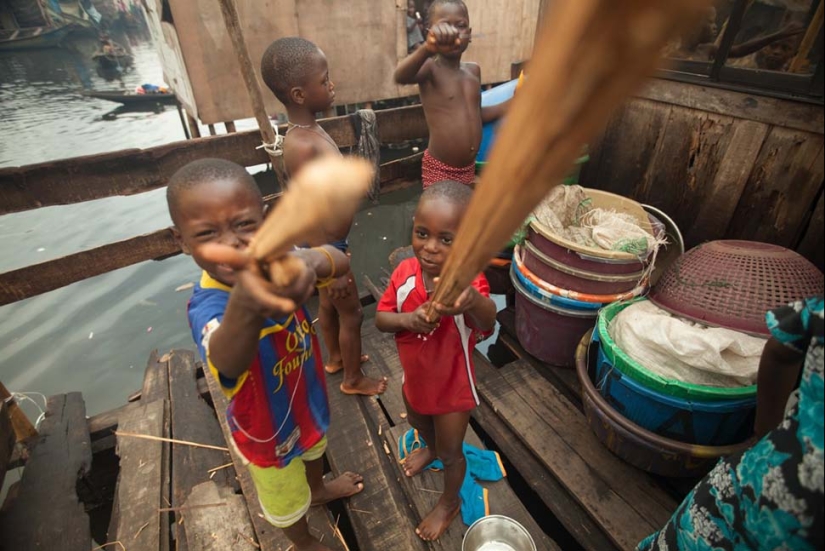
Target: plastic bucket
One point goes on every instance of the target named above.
(577, 279)
(526, 273)
(548, 332)
(717, 423)
(634, 444)
(548, 298)
(653, 381)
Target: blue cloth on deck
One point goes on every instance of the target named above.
(482, 465)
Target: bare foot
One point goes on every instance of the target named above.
(365, 386)
(417, 461)
(336, 366)
(346, 485)
(437, 521)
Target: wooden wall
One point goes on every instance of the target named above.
(363, 40)
(722, 164)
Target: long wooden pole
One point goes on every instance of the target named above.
(23, 428)
(233, 26)
(590, 56)
(808, 40)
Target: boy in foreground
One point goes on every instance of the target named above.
(436, 355)
(259, 343)
(297, 72)
(450, 94)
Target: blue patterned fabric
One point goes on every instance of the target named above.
(769, 497)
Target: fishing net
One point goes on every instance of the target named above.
(568, 212)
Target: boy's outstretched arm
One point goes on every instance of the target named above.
(414, 68)
(234, 344)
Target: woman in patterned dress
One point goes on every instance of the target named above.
(769, 497)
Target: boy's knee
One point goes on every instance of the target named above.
(352, 318)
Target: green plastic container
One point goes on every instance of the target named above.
(630, 367)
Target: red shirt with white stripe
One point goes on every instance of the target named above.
(439, 376)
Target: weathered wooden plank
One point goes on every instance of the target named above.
(193, 421)
(782, 188)
(686, 159)
(725, 189)
(790, 114)
(623, 501)
(380, 515)
(554, 496)
(132, 171)
(811, 246)
(137, 524)
(47, 509)
(7, 441)
(156, 388)
(621, 159)
(46, 276)
(217, 520)
(267, 536)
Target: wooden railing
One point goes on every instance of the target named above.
(134, 171)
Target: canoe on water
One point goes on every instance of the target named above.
(32, 38)
(130, 98)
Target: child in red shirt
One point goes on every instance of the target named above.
(439, 380)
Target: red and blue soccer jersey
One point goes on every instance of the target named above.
(278, 408)
(439, 376)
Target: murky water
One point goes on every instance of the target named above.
(95, 335)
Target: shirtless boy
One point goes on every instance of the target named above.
(297, 72)
(450, 94)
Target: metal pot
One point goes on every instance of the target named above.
(497, 533)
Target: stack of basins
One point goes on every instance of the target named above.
(561, 285)
(669, 426)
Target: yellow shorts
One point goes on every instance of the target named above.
(284, 494)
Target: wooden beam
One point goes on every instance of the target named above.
(133, 171)
(778, 112)
(47, 276)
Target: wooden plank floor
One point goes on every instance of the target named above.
(422, 492)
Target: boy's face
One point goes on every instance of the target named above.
(222, 212)
(435, 224)
(457, 16)
(318, 91)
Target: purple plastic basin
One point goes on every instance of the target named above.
(577, 279)
(574, 259)
(550, 333)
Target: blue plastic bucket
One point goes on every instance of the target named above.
(493, 96)
(715, 423)
(549, 298)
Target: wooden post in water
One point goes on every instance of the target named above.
(23, 428)
(233, 26)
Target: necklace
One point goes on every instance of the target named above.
(312, 128)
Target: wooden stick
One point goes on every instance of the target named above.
(23, 428)
(808, 40)
(325, 192)
(216, 469)
(591, 55)
(170, 440)
(233, 26)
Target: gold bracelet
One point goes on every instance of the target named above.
(327, 281)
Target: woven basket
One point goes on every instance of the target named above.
(733, 284)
